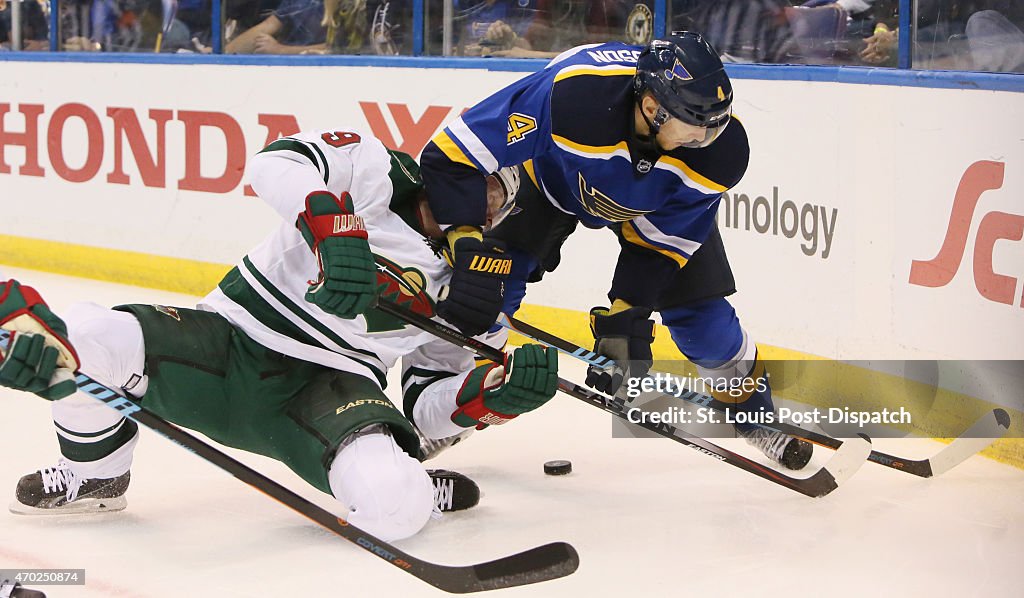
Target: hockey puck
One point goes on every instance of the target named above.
(558, 467)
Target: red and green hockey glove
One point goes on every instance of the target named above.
(494, 394)
(347, 283)
(38, 356)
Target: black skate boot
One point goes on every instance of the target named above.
(790, 452)
(453, 491)
(430, 448)
(58, 491)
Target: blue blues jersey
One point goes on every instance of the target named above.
(571, 127)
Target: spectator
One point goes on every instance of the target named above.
(347, 25)
(115, 25)
(561, 24)
(307, 27)
(995, 43)
(136, 25)
(295, 27)
(74, 19)
(242, 15)
(487, 26)
(194, 15)
(390, 27)
(936, 23)
(35, 30)
(164, 28)
(741, 30)
(774, 31)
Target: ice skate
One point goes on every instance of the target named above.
(58, 491)
(453, 491)
(430, 448)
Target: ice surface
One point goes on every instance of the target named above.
(648, 516)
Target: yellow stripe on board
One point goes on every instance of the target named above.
(933, 410)
(574, 326)
(112, 265)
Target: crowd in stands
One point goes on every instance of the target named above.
(112, 25)
(981, 35)
(984, 35)
(35, 29)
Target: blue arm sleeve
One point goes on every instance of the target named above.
(508, 128)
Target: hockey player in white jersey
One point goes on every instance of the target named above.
(287, 357)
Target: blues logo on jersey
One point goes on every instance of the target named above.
(598, 204)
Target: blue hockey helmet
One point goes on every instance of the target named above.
(685, 75)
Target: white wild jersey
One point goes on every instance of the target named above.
(264, 294)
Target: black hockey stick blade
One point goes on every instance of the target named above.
(983, 433)
(542, 563)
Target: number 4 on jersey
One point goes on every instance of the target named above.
(519, 125)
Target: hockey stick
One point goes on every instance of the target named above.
(542, 563)
(984, 432)
(550, 340)
(842, 465)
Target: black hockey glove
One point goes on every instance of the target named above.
(626, 337)
(476, 292)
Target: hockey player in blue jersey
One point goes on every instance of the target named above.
(641, 140)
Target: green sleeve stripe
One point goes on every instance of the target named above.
(238, 289)
(323, 160)
(312, 322)
(291, 145)
(306, 150)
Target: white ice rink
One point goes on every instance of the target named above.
(648, 517)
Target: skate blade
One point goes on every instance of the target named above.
(84, 506)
